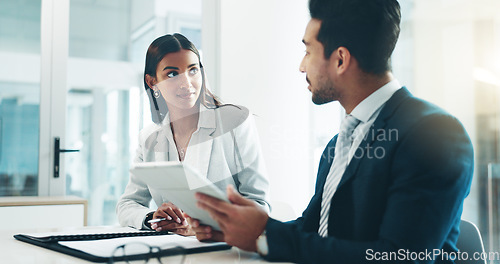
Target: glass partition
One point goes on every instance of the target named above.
(19, 96)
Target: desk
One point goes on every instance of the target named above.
(17, 252)
(45, 208)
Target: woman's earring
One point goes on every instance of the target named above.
(156, 91)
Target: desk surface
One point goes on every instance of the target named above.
(40, 200)
(17, 252)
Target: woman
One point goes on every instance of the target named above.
(193, 127)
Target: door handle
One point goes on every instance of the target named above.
(57, 152)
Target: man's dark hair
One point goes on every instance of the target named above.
(369, 29)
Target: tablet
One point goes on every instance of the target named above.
(178, 183)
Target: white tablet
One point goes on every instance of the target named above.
(178, 183)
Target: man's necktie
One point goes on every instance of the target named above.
(340, 161)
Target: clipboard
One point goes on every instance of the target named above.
(178, 183)
(99, 247)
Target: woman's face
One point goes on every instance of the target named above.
(178, 77)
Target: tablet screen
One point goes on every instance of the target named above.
(178, 183)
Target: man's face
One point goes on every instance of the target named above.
(316, 66)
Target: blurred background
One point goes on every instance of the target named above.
(73, 69)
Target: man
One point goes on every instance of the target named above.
(391, 185)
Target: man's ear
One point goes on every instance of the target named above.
(150, 80)
(340, 59)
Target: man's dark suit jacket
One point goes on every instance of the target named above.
(402, 193)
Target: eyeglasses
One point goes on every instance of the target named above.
(143, 253)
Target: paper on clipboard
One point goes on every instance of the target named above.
(178, 183)
(99, 244)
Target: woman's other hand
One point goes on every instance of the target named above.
(175, 220)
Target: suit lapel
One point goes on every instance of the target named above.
(324, 168)
(375, 130)
(199, 153)
(200, 146)
(162, 147)
(325, 165)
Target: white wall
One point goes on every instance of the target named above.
(259, 56)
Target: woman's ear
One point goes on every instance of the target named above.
(150, 80)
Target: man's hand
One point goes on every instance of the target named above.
(205, 233)
(241, 221)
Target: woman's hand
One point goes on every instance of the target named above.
(176, 220)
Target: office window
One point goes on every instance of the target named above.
(19, 97)
(449, 53)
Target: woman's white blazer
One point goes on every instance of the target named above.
(225, 148)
